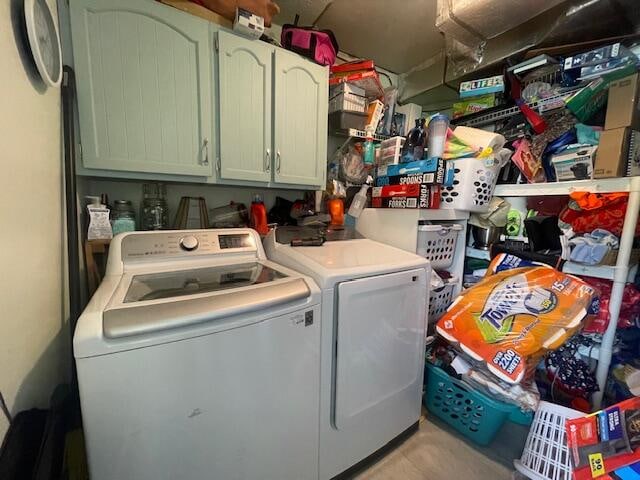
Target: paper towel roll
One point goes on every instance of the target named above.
(480, 138)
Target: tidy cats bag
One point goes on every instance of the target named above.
(513, 316)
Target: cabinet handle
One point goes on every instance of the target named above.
(278, 161)
(267, 166)
(218, 164)
(205, 146)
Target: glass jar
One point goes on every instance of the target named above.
(154, 211)
(123, 217)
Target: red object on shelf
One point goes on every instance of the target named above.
(368, 80)
(536, 121)
(407, 190)
(354, 66)
(629, 311)
(259, 216)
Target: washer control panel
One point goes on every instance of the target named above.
(146, 245)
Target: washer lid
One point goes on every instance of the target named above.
(159, 301)
(334, 262)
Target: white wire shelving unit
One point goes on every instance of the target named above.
(620, 273)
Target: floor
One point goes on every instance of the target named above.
(437, 453)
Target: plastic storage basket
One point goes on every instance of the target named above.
(474, 181)
(546, 455)
(437, 243)
(440, 299)
(473, 414)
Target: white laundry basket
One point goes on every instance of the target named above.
(440, 298)
(437, 243)
(474, 181)
(546, 455)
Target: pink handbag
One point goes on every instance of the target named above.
(318, 45)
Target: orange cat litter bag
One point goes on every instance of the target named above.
(512, 317)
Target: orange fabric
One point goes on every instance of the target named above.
(609, 216)
(591, 201)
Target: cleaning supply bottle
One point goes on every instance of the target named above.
(369, 151)
(359, 200)
(259, 216)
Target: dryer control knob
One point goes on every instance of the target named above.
(189, 243)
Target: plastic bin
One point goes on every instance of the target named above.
(437, 243)
(472, 413)
(346, 96)
(546, 455)
(345, 119)
(440, 299)
(391, 151)
(474, 181)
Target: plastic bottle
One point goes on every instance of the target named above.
(359, 200)
(335, 206)
(369, 151)
(259, 216)
(437, 135)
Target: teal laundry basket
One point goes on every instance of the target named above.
(472, 413)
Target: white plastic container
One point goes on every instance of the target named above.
(391, 151)
(346, 96)
(437, 243)
(440, 299)
(546, 455)
(437, 135)
(474, 181)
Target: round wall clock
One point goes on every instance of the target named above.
(44, 41)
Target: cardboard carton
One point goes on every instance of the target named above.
(618, 154)
(199, 11)
(623, 106)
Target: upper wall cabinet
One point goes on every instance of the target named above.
(245, 72)
(300, 113)
(144, 87)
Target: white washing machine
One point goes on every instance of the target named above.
(372, 352)
(199, 358)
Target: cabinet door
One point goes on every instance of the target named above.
(301, 97)
(245, 68)
(144, 87)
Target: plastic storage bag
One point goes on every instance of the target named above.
(513, 316)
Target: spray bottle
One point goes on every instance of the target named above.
(360, 199)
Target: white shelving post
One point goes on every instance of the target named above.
(617, 290)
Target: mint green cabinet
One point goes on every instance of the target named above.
(165, 94)
(143, 74)
(244, 76)
(300, 120)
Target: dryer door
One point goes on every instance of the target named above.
(380, 346)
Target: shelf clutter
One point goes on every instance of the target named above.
(541, 175)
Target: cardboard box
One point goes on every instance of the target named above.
(592, 97)
(618, 154)
(482, 86)
(199, 11)
(430, 165)
(574, 163)
(426, 178)
(604, 441)
(474, 105)
(429, 197)
(405, 190)
(623, 106)
(248, 24)
(596, 56)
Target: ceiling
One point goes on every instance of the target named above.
(396, 35)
